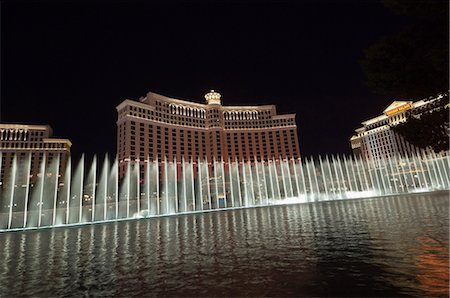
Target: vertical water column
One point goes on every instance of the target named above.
(1, 181)
(314, 170)
(289, 176)
(137, 173)
(166, 187)
(199, 204)
(442, 170)
(244, 180)
(231, 186)
(446, 169)
(392, 177)
(297, 187)
(27, 192)
(175, 203)
(41, 189)
(48, 190)
(12, 184)
(372, 180)
(322, 172)
(104, 186)
(77, 191)
(284, 190)
(283, 178)
(422, 170)
(2, 184)
(116, 187)
(266, 190)
(311, 190)
(413, 178)
(407, 175)
(384, 174)
(258, 182)
(378, 175)
(158, 195)
(55, 190)
(432, 177)
(357, 174)
(446, 161)
(331, 176)
(438, 181)
(224, 191)
(251, 184)
(388, 175)
(300, 165)
(128, 191)
(92, 178)
(20, 177)
(147, 187)
(419, 173)
(350, 184)
(216, 186)
(238, 183)
(271, 180)
(337, 180)
(277, 179)
(342, 177)
(191, 175)
(404, 175)
(31, 196)
(399, 170)
(183, 185)
(361, 168)
(208, 183)
(67, 181)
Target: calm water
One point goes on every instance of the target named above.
(392, 246)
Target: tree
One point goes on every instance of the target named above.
(413, 64)
(429, 129)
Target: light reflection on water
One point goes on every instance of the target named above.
(392, 246)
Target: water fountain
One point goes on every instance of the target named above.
(94, 193)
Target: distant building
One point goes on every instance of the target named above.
(30, 143)
(375, 139)
(158, 126)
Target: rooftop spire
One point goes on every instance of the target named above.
(213, 97)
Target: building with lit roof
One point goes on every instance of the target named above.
(158, 126)
(375, 139)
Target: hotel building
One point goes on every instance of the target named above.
(30, 144)
(157, 126)
(375, 139)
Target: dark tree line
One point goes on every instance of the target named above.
(428, 129)
(413, 64)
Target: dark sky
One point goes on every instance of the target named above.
(69, 64)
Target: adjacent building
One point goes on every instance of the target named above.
(375, 139)
(159, 127)
(30, 144)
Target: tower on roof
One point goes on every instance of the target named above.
(213, 97)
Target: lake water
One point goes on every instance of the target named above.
(390, 246)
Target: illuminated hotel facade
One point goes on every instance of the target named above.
(157, 126)
(31, 144)
(375, 139)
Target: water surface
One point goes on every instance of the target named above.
(391, 246)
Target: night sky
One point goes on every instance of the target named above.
(69, 64)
